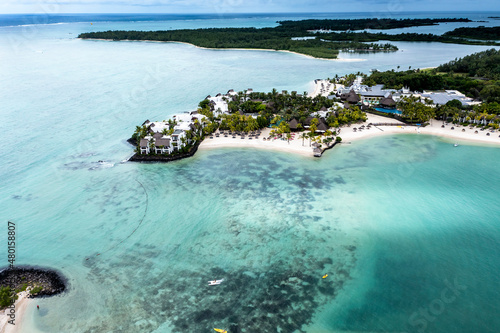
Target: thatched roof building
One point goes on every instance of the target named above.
(322, 127)
(293, 124)
(162, 142)
(352, 97)
(388, 102)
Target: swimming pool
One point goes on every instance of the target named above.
(396, 111)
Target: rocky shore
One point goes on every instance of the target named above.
(50, 282)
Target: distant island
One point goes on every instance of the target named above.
(316, 38)
(483, 33)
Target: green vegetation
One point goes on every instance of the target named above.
(277, 109)
(251, 38)
(486, 88)
(414, 110)
(300, 36)
(417, 80)
(484, 33)
(36, 290)
(483, 64)
(361, 24)
(286, 105)
(22, 288)
(367, 37)
(346, 116)
(273, 107)
(6, 296)
(484, 115)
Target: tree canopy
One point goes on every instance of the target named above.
(298, 36)
(483, 64)
(484, 33)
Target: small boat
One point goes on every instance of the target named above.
(220, 330)
(215, 282)
(325, 276)
(455, 145)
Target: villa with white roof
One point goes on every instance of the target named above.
(374, 95)
(166, 137)
(219, 104)
(443, 97)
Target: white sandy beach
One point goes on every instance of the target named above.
(294, 145)
(21, 304)
(348, 135)
(456, 135)
(324, 90)
(233, 49)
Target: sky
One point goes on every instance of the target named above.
(241, 6)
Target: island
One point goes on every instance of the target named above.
(481, 32)
(317, 38)
(339, 110)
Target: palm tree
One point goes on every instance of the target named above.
(303, 136)
(274, 93)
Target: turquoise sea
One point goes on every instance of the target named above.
(406, 227)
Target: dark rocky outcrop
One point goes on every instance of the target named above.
(52, 282)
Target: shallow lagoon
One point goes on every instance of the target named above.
(389, 219)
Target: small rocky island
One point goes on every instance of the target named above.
(38, 282)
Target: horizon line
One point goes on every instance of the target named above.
(247, 13)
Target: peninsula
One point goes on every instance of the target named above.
(316, 38)
(339, 109)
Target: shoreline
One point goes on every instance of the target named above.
(348, 135)
(21, 305)
(227, 49)
(460, 134)
(466, 138)
(49, 281)
(293, 146)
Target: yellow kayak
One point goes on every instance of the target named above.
(220, 330)
(325, 276)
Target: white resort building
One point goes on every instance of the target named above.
(372, 96)
(443, 97)
(166, 137)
